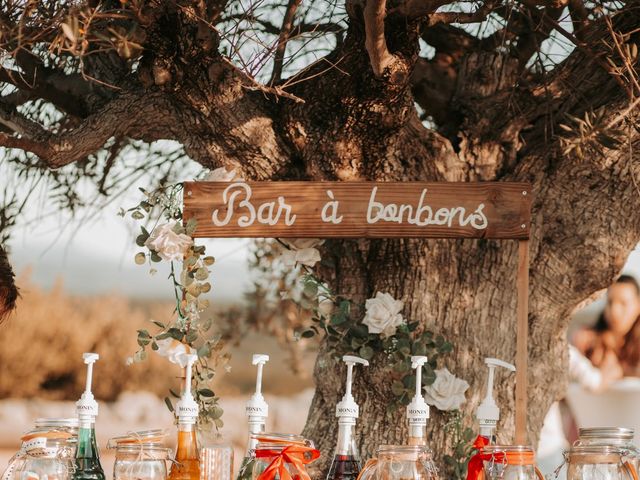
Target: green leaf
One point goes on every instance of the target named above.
(366, 352)
(205, 392)
(217, 412)
(167, 402)
(311, 289)
(138, 215)
(201, 274)
(204, 351)
(143, 334)
(412, 326)
(174, 394)
(397, 388)
(409, 381)
(209, 261)
(446, 347)
(192, 223)
(140, 258)
(159, 324)
(154, 346)
(175, 333)
(218, 422)
(308, 334)
(418, 348)
(192, 336)
(338, 319)
(155, 257)
(360, 330)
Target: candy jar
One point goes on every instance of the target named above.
(613, 436)
(47, 456)
(400, 462)
(280, 456)
(599, 462)
(507, 462)
(140, 456)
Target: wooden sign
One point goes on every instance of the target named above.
(359, 209)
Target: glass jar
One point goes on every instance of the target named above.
(599, 462)
(400, 462)
(509, 462)
(614, 436)
(42, 427)
(277, 452)
(46, 456)
(140, 456)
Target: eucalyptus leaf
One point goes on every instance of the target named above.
(140, 258)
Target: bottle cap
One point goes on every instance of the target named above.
(187, 408)
(347, 409)
(257, 408)
(418, 410)
(87, 407)
(488, 412)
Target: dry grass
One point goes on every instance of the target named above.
(41, 345)
(41, 349)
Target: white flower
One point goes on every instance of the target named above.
(168, 244)
(301, 250)
(447, 392)
(383, 314)
(129, 361)
(221, 175)
(174, 350)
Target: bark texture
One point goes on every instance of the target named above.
(352, 115)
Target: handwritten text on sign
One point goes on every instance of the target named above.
(358, 209)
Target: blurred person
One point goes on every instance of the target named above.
(8, 290)
(613, 343)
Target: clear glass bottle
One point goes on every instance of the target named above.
(140, 456)
(216, 458)
(270, 448)
(510, 462)
(599, 462)
(346, 461)
(187, 462)
(47, 457)
(400, 462)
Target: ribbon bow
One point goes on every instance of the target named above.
(293, 454)
(475, 470)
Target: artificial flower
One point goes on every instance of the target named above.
(302, 251)
(168, 244)
(447, 391)
(174, 350)
(383, 314)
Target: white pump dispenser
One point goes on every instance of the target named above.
(87, 407)
(187, 408)
(257, 409)
(488, 412)
(418, 410)
(347, 410)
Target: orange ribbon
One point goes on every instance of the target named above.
(293, 454)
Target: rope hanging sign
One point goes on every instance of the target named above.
(496, 210)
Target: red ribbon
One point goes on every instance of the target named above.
(293, 454)
(475, 470)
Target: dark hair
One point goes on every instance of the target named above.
(602, 325)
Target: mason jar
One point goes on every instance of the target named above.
(599, 462)
(614, 436)
(43, 427)
(46, 456)
(270, 451)
(140, 456)
(400, 462)
(510, 462)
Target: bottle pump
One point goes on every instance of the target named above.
(418, 410)
(488, 412)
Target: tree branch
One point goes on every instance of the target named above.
(285, 31)
(375, 42)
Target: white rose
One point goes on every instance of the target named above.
(168, 244)
(383, 314)
(221, 175)
(447, 392)
(302, 251)
(174, 350)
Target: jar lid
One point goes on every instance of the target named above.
(48, 423)
(148, 438)
(607, 432)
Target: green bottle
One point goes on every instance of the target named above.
(87, 456)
